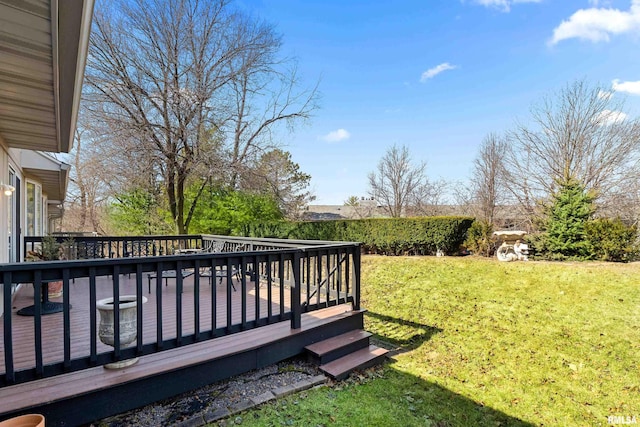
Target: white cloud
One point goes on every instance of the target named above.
(608, 117)
(598, 24)
(598, 3)
(503, 5)
(632, 88)
(432, 72)
(336, 135)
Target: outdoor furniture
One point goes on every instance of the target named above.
(213, 246)
(46, 306)
(169, 274)
(220, 273)
(511, 247)
(187, 251)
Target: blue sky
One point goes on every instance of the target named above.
(439, 75)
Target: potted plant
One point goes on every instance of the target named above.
(51, 250)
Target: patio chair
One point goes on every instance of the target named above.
(213, 246)
(168, 274)
(220, 274)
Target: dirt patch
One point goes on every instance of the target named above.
(219, 397)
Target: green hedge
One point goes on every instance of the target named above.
(388, 236)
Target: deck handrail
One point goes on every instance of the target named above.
(88, 247)
(316, 274)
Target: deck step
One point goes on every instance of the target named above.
(340, 369)
(334, 348)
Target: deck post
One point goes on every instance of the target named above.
(356, 277)
(296, 306)
(8, 338)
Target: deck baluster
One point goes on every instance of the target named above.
(242, 266)
(93, 317)
(66, 317)
(139, 308)
(296, 309)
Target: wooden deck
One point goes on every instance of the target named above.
(79, 397)
(52, 324)
(192, 332)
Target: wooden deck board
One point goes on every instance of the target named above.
(81, 382)
(52, 325)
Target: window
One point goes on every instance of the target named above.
(34, 209)
(10, 217)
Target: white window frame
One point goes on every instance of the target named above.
(11, 216)
(34, 220)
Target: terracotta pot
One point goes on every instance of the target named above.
(128, 325)
(30, 420)
(55, 289)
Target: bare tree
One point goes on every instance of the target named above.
(164, 77)
(427, 199)
(581, 133)
(462, 198)
(263, 96)
(361, 207)
(87, 190)
(488, 188)
(396, 181)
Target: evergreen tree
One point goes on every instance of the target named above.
(567, 216)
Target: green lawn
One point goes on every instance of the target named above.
(487, 343)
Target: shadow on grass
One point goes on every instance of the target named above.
(382, 396)
(441, 407)
(398, 332)
(424, 402)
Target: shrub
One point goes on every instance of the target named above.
(479, 238)
(612, 240)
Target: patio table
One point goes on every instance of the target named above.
(46, 306)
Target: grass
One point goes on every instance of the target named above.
(487, 343)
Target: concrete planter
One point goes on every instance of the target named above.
(128, 325)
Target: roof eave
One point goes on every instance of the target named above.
(52, 173)
(70, 45)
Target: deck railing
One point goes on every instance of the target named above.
(274, 280)
(96, 247)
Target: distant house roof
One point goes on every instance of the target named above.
(319, 216)
(367, 209)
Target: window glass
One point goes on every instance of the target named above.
(10, 215)
(34, 209)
